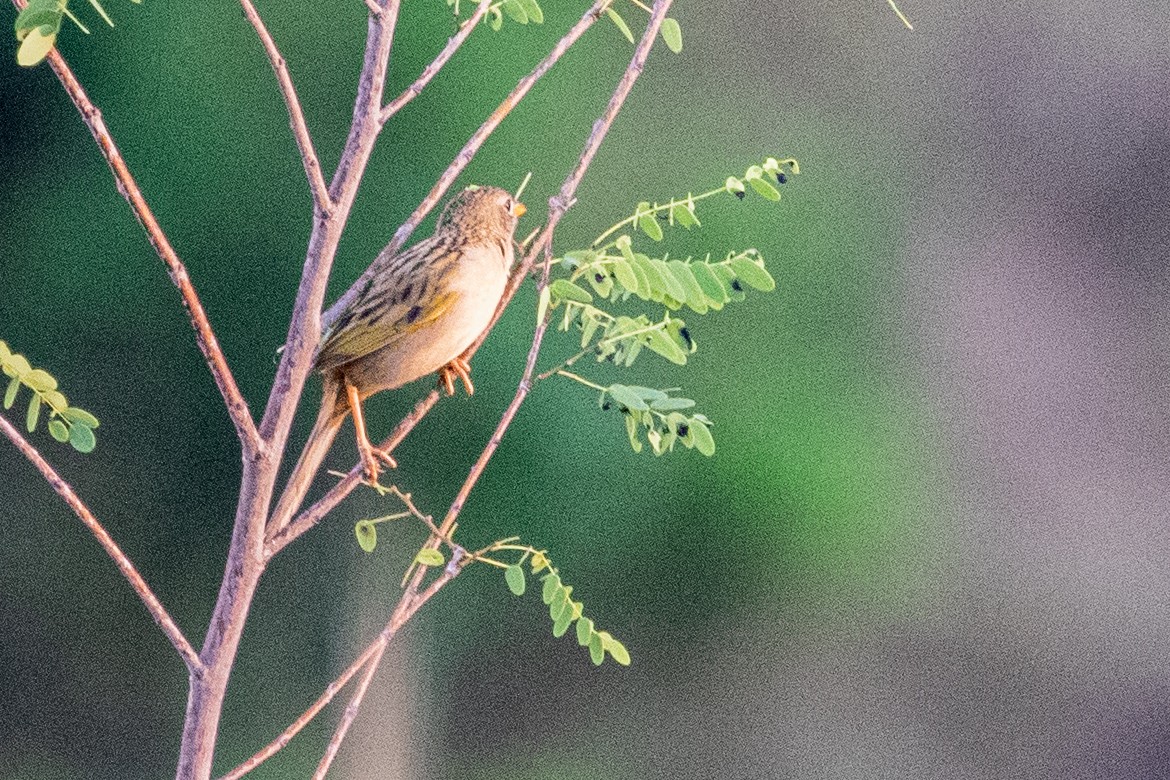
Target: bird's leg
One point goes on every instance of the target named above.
(370, 454)
(459, 367)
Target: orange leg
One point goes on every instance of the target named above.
(370, 454)
(459, 367)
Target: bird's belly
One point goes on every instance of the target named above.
(437, 342)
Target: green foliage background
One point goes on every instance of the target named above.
(853, 585)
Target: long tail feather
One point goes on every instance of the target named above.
(329, 420)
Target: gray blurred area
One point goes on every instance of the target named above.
(934, 541)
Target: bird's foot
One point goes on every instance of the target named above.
(460, 368)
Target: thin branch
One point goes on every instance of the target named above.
(296, 115)
(407, 606)
(453, 44)
(307, 716)
(470, 148)
(65, 490)
(237, 407)
(370, 657)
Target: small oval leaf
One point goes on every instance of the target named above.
(82, 438)
(40, 380)
(514, 576)
(672, 34)
(59, 430)
(753, 273)
(34, 413)
(367, 535)
(616, 18)
(584, 631)
(80, 416)
(430, 557)
(564, 290)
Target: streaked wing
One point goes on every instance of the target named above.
(398, 298)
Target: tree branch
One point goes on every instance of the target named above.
(237, 407)
(453, 44)
(296, 115)
(65, 490)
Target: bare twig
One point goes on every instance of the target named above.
(370, 657)
(305, 717)
(453, 44)
(296, 115)
(407, 606)
(471, 147)
(237, 407)
(65, 490)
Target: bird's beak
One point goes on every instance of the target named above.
(518, 210)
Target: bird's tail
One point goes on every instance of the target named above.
(329, 419)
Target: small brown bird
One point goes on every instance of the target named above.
(414, 314)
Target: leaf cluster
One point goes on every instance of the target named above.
(66, 423)
(611, 270)
(660, 415)
(37, 26)
(563, 610)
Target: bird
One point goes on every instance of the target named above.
(413, 313)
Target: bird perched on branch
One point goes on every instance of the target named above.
(414, 313)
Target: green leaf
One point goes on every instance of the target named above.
(552, 586)
(5, 352)
(515, 10)
(538, 561)
(34, 413)
(704, 443)
(753, 273)
(563, 621)
(17, 365)
(596, 650)
(659, 342)
(731, 284)
(683, 215)
(673, 286)
(542, 304)
(564, 290)
(601, 282)
(40, 380)
(59, 430)
(624, 273)
(10, 393)
(82, 438)
(430, 557)
(686, 277)
(533, 10)
(584, 631)
(765, 188)
(672, 34)
(656, 288)
(710, 285)
(80, 416)
(495, 19)
(648, 223)
(367, 535)
(38, 13)
(671, 404)
(37, 45)
(627, 397)
(514, 576)
(648, 394)
(616, 18)
(632, 431)
(615, 648)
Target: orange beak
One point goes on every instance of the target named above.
(519, 210)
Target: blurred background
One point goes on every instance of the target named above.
(933, 539)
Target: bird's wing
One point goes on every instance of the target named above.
(397, 300)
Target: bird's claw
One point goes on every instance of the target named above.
(460, 368)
